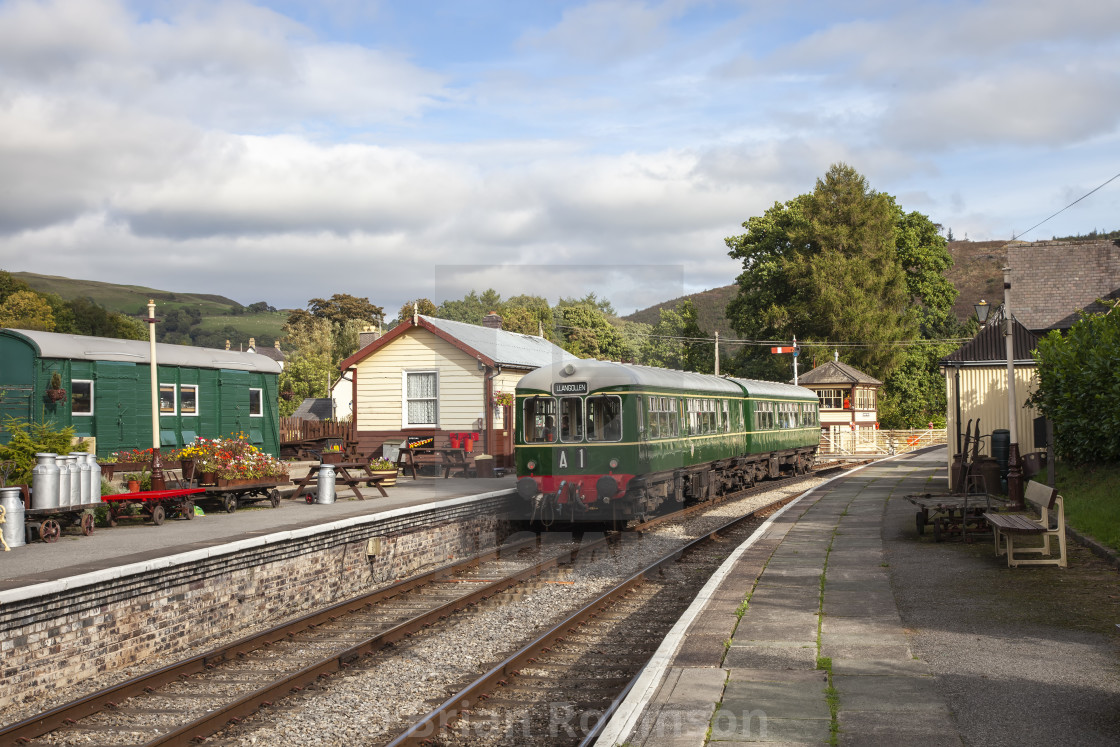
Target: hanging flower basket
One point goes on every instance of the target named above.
(56, 395)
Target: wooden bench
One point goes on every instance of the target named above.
(1010, 526)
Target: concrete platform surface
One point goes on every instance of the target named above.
(860, 632)
(134, 541)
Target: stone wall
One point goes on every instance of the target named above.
(59, 641)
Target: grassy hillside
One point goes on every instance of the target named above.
(220, 318)
(710, 307)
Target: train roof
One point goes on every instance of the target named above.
(758, 388)
(601, 374)
(83, 347)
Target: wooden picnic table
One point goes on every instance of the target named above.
(448, 459)
(344, 477)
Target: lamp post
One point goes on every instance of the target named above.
(157, 468)
(1014, 466)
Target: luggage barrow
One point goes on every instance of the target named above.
(232, 497)
(953, 514)
(50, 522)
(154, 504)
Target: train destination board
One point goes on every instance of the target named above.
(569, 387)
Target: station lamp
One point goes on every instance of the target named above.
(981, 311)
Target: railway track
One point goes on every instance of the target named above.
(192, 699)
(560, 688)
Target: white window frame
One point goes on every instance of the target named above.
(82, 381)
(197, 406)
(174, 399)
(260, 401)
(405, 398)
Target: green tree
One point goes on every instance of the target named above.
(342, 307)
(422, 306)
(825, 266)
(27, 310)
(1078, 386)
(25, 440)
(469, 309)
(10, 284)
(310, 363)
(586, 332)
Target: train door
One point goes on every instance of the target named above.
(122, 407)
(17, 384)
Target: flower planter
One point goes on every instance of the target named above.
(206, 478)
(229, 482)
(332, 457)
(56, 395)
(390, 474)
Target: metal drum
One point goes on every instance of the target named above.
(326, 484)
(15, 532)
(45, 479)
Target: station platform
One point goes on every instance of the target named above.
(859, 631)
(130, 543)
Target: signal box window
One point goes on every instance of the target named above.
(81, 397)
(188, 399)
(831, 399)
(539, 420)
(604, 418)
(256, 404)
(571, 419)
(166, 399)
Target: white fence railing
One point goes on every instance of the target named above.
(838, 442)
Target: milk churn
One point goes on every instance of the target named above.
(63, 461)
(75, 467)
(326, 484)
(15, 532)
(45, 481)
(80, 459)
(94, 478)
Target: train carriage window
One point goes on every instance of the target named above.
(725, 417)
(604, 418)
(256, 403)
(764, 415)
(166, 399)
(571, 419)
(539, 420)
(81, 397)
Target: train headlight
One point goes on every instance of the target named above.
(614, 464)
(531, 464)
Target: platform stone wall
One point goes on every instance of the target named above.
(59, 642)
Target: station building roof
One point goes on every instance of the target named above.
(838, 374)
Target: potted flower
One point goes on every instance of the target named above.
(455, 440)
(503, 399)
(55, 392)
(332, 454)
(385, 469)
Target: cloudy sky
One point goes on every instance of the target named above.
(280, 151)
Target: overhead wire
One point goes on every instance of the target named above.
(1067, 207)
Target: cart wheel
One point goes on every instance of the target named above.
(230, 503)
(157, 514)
(310, 499)
(188, 510)
(50, 530)
(274, 497)
(920, 523)
(87, 524)
(936, 530)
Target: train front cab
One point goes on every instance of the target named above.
(573, 446)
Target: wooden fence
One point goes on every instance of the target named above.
(293, 430)
(869, 441)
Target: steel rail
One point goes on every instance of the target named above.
(443, 716)
(108, 698)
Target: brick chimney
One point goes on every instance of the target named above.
(492, 320)
(367, 335)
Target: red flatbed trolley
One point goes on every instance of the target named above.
(154, 504)
(232, 497)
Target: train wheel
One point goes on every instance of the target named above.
(158, 513)
(274, 497)
(50, 530)
(87, 524)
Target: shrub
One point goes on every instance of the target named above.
(28, 439)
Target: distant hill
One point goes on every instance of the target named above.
(977, 273)
(212, 319)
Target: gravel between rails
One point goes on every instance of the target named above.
(370, 704)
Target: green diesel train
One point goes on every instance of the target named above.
(600, 441)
